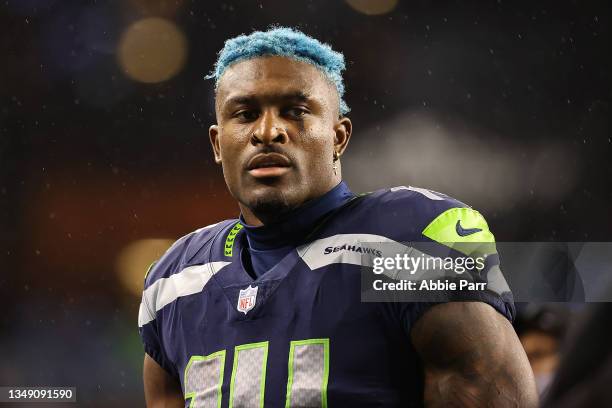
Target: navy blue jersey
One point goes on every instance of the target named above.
(299, 335)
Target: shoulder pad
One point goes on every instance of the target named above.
(442, 218)
(418, 205)
(424, 196)
(182, 251)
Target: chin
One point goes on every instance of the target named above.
(270, 202)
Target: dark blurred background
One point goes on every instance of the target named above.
(105, 159)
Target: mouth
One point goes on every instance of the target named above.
(265, 165)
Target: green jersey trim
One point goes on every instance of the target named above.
(228, 249)
(463, 229)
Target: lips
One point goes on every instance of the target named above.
(268, 165)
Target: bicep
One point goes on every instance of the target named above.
(472, 357)
(161, 389)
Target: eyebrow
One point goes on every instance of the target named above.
(252, 98)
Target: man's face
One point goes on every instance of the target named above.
(276, 133)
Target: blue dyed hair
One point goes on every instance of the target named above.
(284, 42)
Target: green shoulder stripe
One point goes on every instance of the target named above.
(229, 241)
(463, 229)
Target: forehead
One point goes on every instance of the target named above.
(273, 75)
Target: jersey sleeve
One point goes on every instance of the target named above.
(452, 228)
(148, 323)
(465, 232)
(151, 316)
(162, 286)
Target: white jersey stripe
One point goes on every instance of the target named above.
(427, 193)
(374, 246)
(166, 290)
(313, 254)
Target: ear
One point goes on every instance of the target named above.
(343, 129)
(213, 133)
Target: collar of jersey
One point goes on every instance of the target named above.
(296, 224)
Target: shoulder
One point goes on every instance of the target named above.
(417, 199)
(184, 251)
(180, 269)
(415, 211)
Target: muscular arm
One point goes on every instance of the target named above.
(472, 358)
(161, 390)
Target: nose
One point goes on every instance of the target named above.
(269, 130)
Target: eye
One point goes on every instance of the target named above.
(296, 112)
(246, 115)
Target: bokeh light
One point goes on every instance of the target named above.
(152, 50)
(372, 7)
(134, 260)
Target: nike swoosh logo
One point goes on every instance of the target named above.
(464, 232)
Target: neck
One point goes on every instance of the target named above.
(255, 220)
(260, 218)
(293, 224)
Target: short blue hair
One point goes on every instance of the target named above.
(284, 42)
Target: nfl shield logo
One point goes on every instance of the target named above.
(246, 299)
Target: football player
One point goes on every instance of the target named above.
(266, 310)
